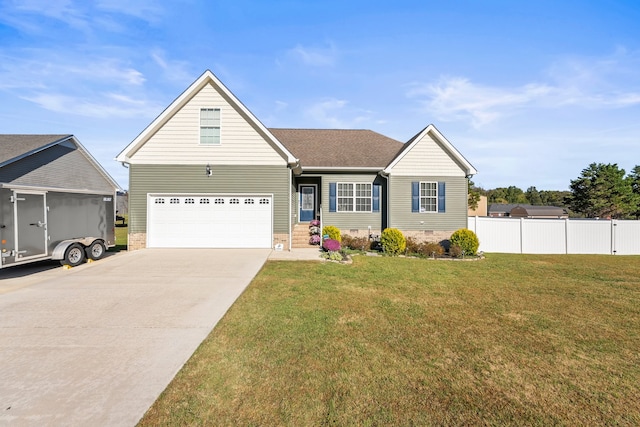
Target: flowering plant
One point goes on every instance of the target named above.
(314, 223)
(314, 230)
(331, 245)
(314, 240)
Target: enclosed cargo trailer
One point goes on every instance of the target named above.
(56, 201)
(37, 224)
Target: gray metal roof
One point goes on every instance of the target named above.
(15, 147)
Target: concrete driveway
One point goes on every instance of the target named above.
(96, 344)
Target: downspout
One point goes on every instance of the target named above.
(293, 167)
(385, 194)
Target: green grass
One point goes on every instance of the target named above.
(121, 235)
(509, 340)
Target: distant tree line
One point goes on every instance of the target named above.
(601, 191)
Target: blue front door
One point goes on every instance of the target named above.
(307, 203)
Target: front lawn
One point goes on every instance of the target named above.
(509, 340)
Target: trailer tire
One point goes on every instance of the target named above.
(96, 250)
(73, 256)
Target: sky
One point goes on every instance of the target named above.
(530, 92)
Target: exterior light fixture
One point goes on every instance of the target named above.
(207, 170)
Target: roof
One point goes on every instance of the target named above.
(206, 78)
(531, 210)
(339, 148)
(15, 147)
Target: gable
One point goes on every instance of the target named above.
(174, 136)
(430, 154)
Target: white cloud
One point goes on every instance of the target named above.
(588, 83)
(315, 57)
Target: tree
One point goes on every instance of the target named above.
(601, 191)
(474, 196)
(634, 179)
(533, 196)
(510, 194)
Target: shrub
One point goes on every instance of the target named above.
(331, 245)
(413, 246)
(332, 231)
(431, 249)
(393, 241)
(455, 251)
(466, 239)
(355, 243)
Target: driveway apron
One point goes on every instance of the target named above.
(97, 344)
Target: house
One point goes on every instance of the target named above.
(526, 211)
(51, 190)
(207, 173)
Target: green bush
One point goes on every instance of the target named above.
(466, 239)
(332, 231)
(393, 241)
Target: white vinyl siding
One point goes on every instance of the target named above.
(428, 197)
(354, 197)
(210, 126)
(177, 142)
(427, 157)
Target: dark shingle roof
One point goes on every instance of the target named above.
(339, 148)
(14, 146)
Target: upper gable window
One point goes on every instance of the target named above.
(210, 126)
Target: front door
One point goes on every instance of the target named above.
(31, 225)
(307, 202)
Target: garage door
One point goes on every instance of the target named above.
(209, 221)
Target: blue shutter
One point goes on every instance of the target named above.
(332, 197)
(415, 196)
(376, 198)
(441, 196)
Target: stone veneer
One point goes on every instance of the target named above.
(419, 235)
(139, 241)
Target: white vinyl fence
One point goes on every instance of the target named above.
(556, 236)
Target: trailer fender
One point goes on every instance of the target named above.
(61, 248)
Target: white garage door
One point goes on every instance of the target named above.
(209, 221)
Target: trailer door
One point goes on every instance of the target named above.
(31, 225)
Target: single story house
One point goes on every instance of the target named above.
(207, 173)
(526, 211)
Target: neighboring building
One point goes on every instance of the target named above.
(526, 211)
(481, 209)
(208, 173)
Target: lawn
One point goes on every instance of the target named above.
(509, 340)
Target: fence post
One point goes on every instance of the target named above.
(521, 234)
(613, 237)
(566, 236)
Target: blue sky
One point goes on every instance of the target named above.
(530, 92)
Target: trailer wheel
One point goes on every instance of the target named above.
(96, 250)
(73, 256)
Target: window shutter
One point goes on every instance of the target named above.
(332, 197)
(376, 198)
(441, 196)
(415, 196)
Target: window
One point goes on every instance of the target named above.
(210, 126)
(159, 201)
(219, 201)
(174, 201)
(189, 201)
(354, 197)
(428, 197)
(264, 201)
(249, 201)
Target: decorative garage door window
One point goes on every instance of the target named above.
(159, 200)
(189, 201)
(234, 201)
(174, 201)
(204, 201)
(248, 201)
(264, 201)
(219, 201)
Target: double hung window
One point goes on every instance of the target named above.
(354, 197)
(210, 126)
